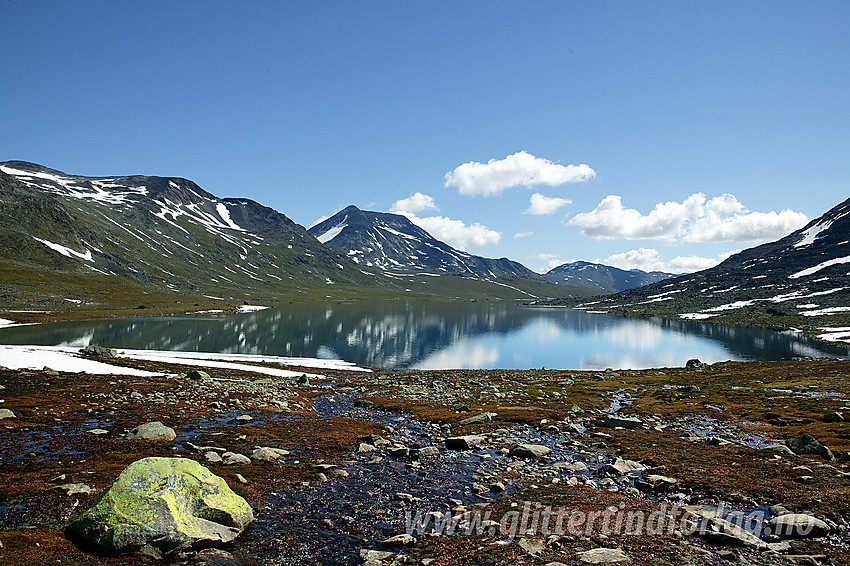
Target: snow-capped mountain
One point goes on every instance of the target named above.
(391, 242)
(801, 278)
(603, 277)
(155, 234)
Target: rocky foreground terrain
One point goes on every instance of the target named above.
(442, 468)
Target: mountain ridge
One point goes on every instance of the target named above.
(603, 277)
(799, 281)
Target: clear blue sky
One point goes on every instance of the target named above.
(310, 106)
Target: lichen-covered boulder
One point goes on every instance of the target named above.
(161, 505)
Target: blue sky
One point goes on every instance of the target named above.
(310, 106)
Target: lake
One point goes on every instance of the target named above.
(438, 335)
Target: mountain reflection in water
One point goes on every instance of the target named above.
(438, 335)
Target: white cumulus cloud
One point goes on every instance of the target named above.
(521, 168)
(649, 259)
(414, 203)
(542, 205)
(720, 219)
(552, 261)
(455, 232)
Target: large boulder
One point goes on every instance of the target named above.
(798, 525)
(161, 505)
(155, 431)
(530, 451)
(807, 444)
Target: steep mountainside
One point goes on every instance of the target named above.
(602, 277)
(81, 235)
(392, 242)
(395, 245)
(800, 280)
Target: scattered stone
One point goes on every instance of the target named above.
(620, 467)
(98, 431)
(213, 457)
(399, 541)
(428, 451)
(604, 556)
(497, 487)
(401, 452)
(7, 414)
(216, 557)
(267, 454)
(155, 431)
(835, 417)
(232, 458)
(531, 451)
(694, 363)
(477, 419)
(374, 557)
(244, 419)
(158, 506)
(198, 375)
(806, 444)
(460, 409)
(467, 442)
(621, 422)
(533, 547)
(798, 525)
(75, 489)
(97, 352)
(723, 533)
(688, 389)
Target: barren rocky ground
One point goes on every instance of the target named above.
(481, 462)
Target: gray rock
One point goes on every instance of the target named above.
(155, 431)
(835, 417)
(267, 454)
(688, 389)
(232, 458)
(604, 556)
(806, 444)
(75, 488)
(620, 467)
(98, 431)
(531, 451)
(428, 451)
(213, 457)
(97, 352)
(723, 533)
(244, 419)
(7, 414)
(216, 557)
(694, 363)
(158, 506)
(477, 419)
(532, 546)
(467, 442)
(656, 484)
(620, 422)
(798, 525)
(399, 541)
(374, 557)
(198, 375)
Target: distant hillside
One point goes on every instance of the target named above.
(394, 244)
(69, 242)
(602, 277)
(801, 280)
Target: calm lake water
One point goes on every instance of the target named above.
(428, 335)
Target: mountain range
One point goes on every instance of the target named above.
(145, 240)
(605, 278)
(801, 280)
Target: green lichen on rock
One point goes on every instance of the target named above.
(161, 505)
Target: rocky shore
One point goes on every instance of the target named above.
(738, 463)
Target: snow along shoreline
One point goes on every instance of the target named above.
(66, 359)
